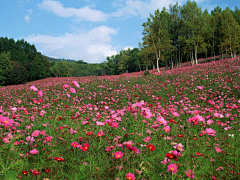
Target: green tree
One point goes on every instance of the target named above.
(192, 29)
(5, 66)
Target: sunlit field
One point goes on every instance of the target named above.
(177, 124)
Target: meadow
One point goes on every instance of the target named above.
(177, 124)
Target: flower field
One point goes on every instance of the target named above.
(177, 124)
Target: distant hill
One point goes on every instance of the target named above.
(60, 60)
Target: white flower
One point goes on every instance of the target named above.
(231, 135)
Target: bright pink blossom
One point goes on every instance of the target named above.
(34, 151)
(189, 173)
(118, 155)
(167, 129)
(173, 168)
(130, 176)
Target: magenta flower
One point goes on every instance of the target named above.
(65, 86)
(115, 125)
(118, 155)
(166, 129)
(173, 168)
(72, 90)
(161, 120)
(100, 133)
(189, 173)
(130, 176)
(75, 83)
(147, 139)
(200, 87)
(40, 93)
(211, 132)
(75, 144)
(36, 133)
(34, 151)
(48, 138)
(6, 140)
(175, 114)
(218, 149)
(6, 121)
(33, 88)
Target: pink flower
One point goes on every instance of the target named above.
(84, 122)
(218, 149)
(48, 138)
(36, 133)
(74, 144)
(34, 151)
(175, 114)
(42, 132)
(115, 125)
(209, 122)
(161, 120)
(65, 86)
(33, 88)
(147, 114)
(146, 139)
(130, 176)
(98, 123)
(189, 173)
(6, 140)
(165, 161)
(100, 133)
(118, 155)
(193, 120)
(211, 132)
(30, 139)
(166, 129)
(200, 87)
(72, 90)
(173, 168)
(6, 121)
(40, 93)
(75, 83)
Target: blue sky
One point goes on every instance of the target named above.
(89, 30)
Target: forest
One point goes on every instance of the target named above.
(170, 37)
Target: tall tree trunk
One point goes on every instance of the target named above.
(179, 56)
(196, 61)
(158, 57)
(192, 60)
(166, 65)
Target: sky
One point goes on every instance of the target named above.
(88, 30)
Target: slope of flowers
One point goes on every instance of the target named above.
(177, 124)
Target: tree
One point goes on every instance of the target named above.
(5, 66)
(192, 30)
(230, 33)
(156, 35)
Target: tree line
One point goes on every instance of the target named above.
(184, 33)
(170, 37)
(20, 62)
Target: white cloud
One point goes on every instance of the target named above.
(128, 47)
(27, 17)
(84, 13)
(93, 46)
(143, 8)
